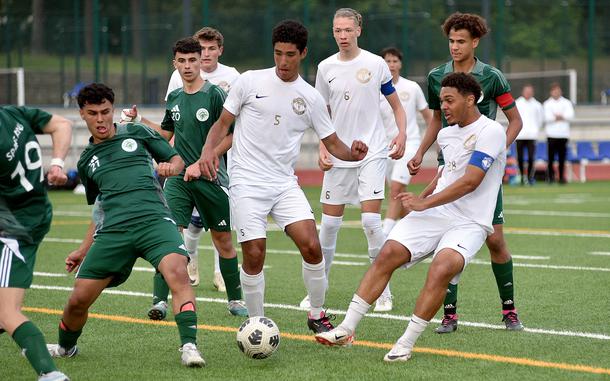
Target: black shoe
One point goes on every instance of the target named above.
(322, 324)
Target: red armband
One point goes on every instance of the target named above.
(504, 100)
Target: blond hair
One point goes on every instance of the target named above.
(349, 13)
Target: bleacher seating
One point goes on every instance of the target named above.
(542, 152)
(603, 150)
(584, 151)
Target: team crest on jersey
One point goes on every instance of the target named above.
(470, 142)
(129, 145)
(202, 115)
(486, 162)
(404, 96)
(224, 85)
(363, 75)
(298, 106)
(94, 163)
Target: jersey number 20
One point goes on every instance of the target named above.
(29, 165)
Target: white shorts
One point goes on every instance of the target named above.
(251, 205)
(428, 232)
(398, 170)
(352, 185)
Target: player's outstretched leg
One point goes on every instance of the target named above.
(252, 276)
(158, 311)
(450, 318)
(191, 240)
(229, 268)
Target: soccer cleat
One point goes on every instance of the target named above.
(55, 350)
(191, 356)
(397, 353)
(336, 337)
(448, 325)
(158, 311)
(219, 282)
(238, 308)
(383, 304)
(511, 320)
(53, 376)
(193, 270)
(305, 302)
(322, 324)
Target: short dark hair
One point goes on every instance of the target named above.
(292, 32)
(475, 24)
(187, 45)
(392, 51)
(94, 94)
(464, 83)
(555, 85)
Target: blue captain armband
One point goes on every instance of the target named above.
(387, 88)
(481, 160)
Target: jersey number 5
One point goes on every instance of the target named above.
(29, 165)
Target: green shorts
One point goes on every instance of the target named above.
(17, 259)
(499, 211)
(114, 253)
(211, 201)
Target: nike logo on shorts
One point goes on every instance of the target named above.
(461, 247)
(261, 96)
(376, 192)
(332, 79)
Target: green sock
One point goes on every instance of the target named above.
(450, 303)
(67, 338)
(504, 279)
(187, 326)
(160, 288)
(230, 273)
(31, 340)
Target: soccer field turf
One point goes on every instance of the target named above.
(559, 238)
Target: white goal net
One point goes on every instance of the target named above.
(12, 86)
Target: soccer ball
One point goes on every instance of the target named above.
(258, 337)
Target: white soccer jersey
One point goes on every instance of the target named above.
(223, 76)
(458, 144)
(351, 89)
(271, 118)
(412, 99)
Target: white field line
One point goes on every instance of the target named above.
(366, 263)
(551, 332)
(50, 275)
(552, 213)
(602, 253)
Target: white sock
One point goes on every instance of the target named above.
(329, 228)
(216, 260)
(358, 307)
(371, 224)
(415, 328)
(253, 288)
(388, 224)
(191, 239)
(315, 281)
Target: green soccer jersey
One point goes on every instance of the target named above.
(495, 87)
(190, 117)
(25, 210)
(119, 173)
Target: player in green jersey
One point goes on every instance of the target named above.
(25, 218)
(464, 32)
(117, 171)
(190, 113)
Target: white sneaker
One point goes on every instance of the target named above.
(55, 350)
(338, 336)
(305, 302)
(238, 308)
(53, 376)
(191, 356)
(158, 311)
(219, 282)
(193, 270)
(398, 353)
(383, 303)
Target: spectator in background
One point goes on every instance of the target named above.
(532, 115)
(558, 112)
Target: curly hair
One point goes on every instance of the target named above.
(94, 94)
(475, 24)
(187, 45)
(292, 32)
(464, 83)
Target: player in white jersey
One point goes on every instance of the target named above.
(272, 109)
(350, 82)
(397, 174)
(452, 223)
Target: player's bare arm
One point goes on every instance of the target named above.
(514, 125)
(397, 145)
(171, 168)
(224, 145)
(338, 149)
(434, 127)
(208, 163)
(129, 115)
(75, 258)
(461, 187)
(60, 130)
(324, 161)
